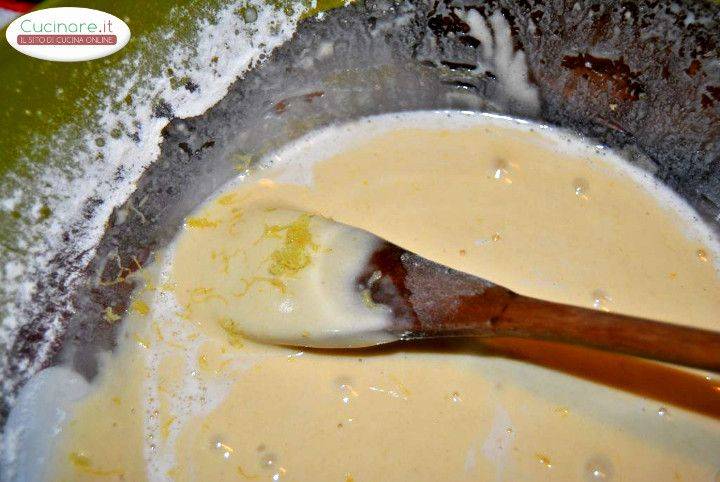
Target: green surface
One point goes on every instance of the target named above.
(49, 108)
(39, 97)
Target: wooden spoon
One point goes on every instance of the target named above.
(429, 300)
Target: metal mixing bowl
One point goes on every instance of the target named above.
(640, 77)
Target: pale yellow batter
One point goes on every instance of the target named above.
(188, 396)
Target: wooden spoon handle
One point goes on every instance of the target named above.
(429, 300)
(526, 317)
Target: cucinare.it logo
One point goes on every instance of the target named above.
(67, 34)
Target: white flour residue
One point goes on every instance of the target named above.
(159, 450)
(499, 441)
(499, 57)
(196, 394)
(106, 163)
(46, 401)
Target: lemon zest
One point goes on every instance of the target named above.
(200, 223)
(83, 463)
